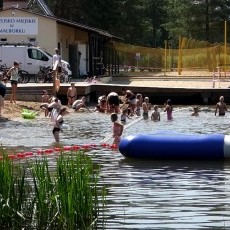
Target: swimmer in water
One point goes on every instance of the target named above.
(195, 112)
(58, 124)
(221, 107)
(117, 129)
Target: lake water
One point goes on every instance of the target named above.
(144, 194)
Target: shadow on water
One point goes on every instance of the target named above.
(209, 169)
(139, 164)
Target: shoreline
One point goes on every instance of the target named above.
(12, 111)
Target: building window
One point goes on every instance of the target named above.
(3, 39)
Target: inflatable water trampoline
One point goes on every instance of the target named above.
(176, 146)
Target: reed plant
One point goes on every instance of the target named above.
(67, 195)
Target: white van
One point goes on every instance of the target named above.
(29, 57)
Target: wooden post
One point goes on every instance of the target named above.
(179, 57)
(54, 82)
(165, 63)
(225, 47)
(55, 73)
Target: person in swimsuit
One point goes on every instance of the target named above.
(45, 100)
(71, 94)
(221, 107)
(55, 103)
(58, 123)
(139, 102)
(113, 103)
(145, 107)
(80, 104)
(117, 129)
(130, 99)
(155, 114)
(13, 73)
(195, 112)
(124, 115)
(168, 108)
(102, 104)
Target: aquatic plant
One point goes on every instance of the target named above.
(66, 195)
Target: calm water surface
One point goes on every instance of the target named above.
(144, 194)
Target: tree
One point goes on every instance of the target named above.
(208, 19)
(176, 25)
(149, 22)
(155, 10)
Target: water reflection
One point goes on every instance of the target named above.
(144, 194)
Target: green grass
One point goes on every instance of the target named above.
(64, 196)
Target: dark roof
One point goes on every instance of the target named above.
(85, 27)
(69, 23)
(44, 7)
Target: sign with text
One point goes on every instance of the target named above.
(138, 56)
(18, 26)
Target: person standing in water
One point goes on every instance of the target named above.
(168, 109)
(195, 112)
(71, 94)
(145, 107)
(45, 100)
(13, 73)
(221, 107)
(58, 121)
(155, 114)
(117, 129)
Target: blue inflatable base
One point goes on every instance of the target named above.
(173, 146)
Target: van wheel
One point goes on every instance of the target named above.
(40, 77)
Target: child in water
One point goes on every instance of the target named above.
(80, 104)
(145, 107)
(58, 121)
(168, 108)
(117, 129)
(45, 99)
(125, 115)
(221, 106)
(155, 114)
(195, 112)
(139, 102)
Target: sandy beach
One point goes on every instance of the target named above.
(12, 111)
(188, 80)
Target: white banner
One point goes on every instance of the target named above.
(18, 26)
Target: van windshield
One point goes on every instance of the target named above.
(48, 53)
(37, 54)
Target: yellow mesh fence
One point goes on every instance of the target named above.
(192, 56)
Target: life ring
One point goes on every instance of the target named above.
(27, 114)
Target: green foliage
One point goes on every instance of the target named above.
(150, 22)
(36, 195)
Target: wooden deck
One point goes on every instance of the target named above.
(180, 91)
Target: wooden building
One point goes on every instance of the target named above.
(85, 48)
